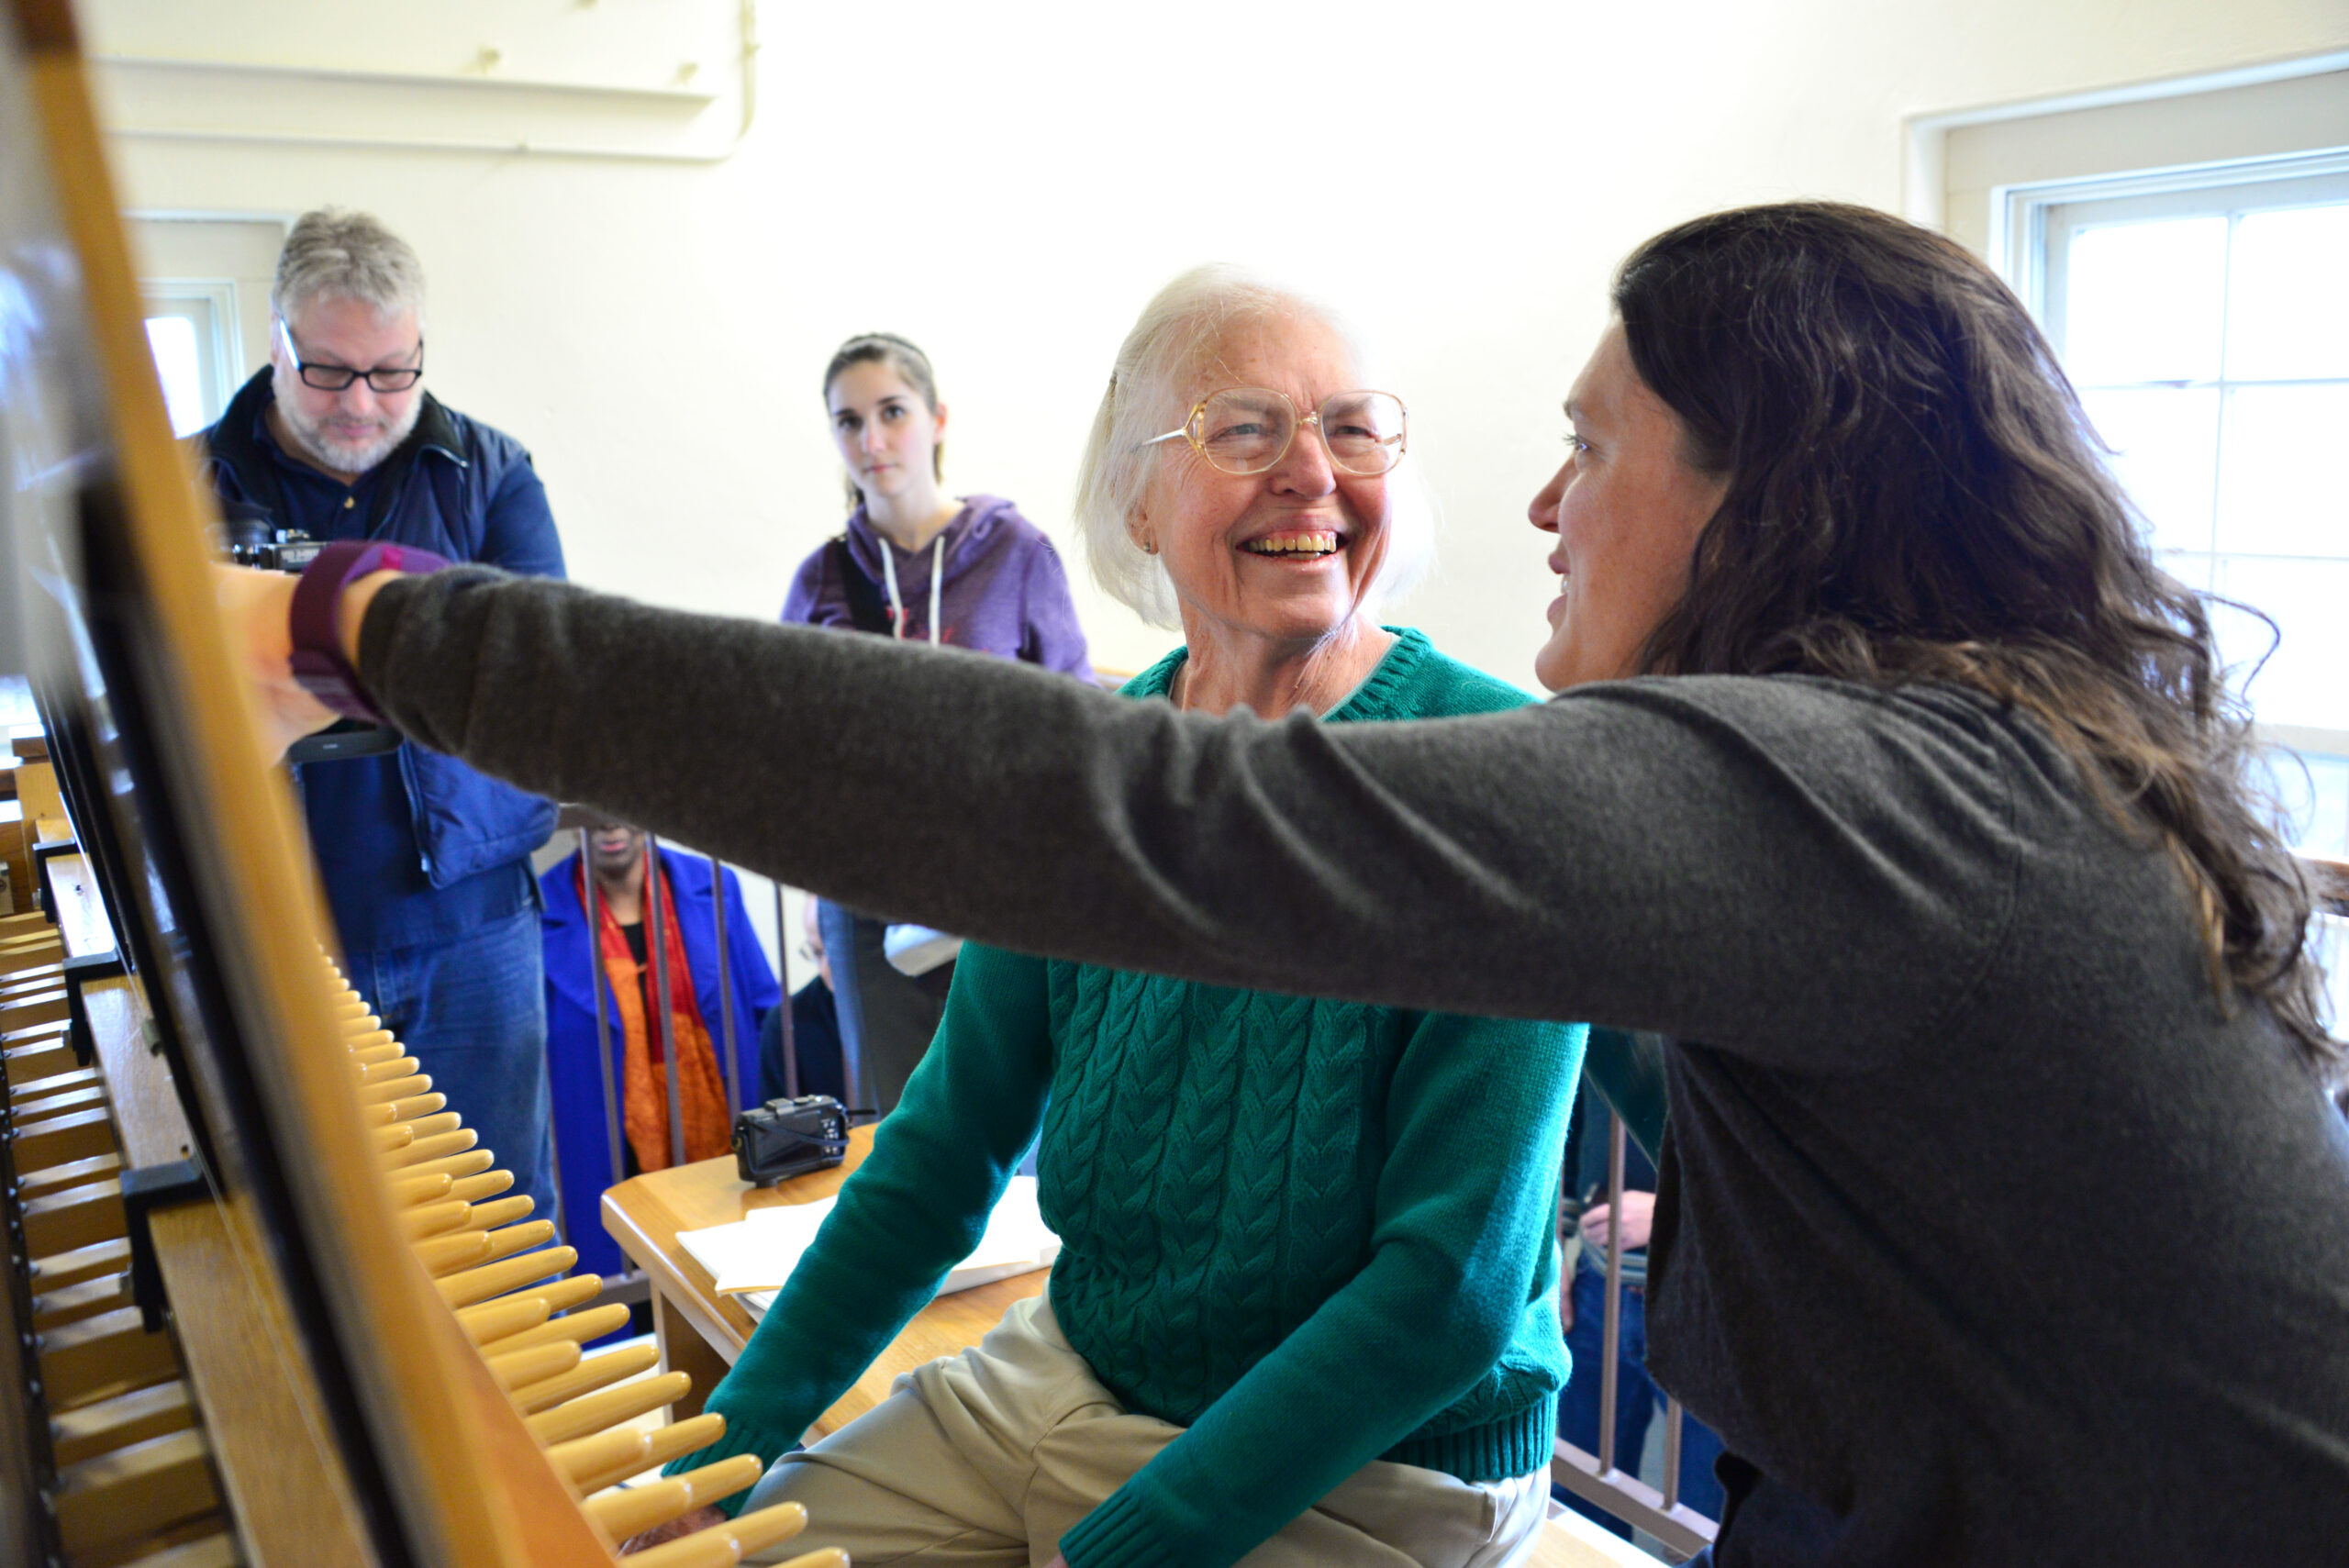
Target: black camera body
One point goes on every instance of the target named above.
(789, 1137)
(254, 539)
(287, 549)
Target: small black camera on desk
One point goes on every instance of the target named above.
(789, 1137)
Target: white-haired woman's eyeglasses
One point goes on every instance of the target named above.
(1247, 430)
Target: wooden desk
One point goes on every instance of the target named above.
(701, 1332)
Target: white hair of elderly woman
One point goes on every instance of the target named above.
(1146, 398)
(331, 252)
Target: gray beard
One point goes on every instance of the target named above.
(346, 459)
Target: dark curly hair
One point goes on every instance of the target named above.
(1915, 494)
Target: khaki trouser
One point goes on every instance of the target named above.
(986, 1461)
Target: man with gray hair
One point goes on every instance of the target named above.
(426, 862)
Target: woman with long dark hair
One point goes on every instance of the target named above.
(2004, 1215)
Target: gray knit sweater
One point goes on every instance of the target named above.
(1982, 1223)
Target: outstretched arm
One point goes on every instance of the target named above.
(1703, 857)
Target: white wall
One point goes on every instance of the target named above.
(1006, 184)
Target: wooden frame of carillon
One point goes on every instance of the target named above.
(315, 1333)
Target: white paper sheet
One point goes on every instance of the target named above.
(752, 1258)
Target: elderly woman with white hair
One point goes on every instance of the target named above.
(1304, 1310)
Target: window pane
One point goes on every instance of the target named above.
(172, 340)
(2165, 454)
(2288, 315)
(2280, 489)
(2301, 684)
(16, 702)
(2331, 939)
(2315, 794)
(2145, 301)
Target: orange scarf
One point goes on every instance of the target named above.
(645, 1094)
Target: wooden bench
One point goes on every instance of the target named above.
(1570, 1540)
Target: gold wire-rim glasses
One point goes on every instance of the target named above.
(1193, 430)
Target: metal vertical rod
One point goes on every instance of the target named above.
(1613, 1337)
(595, 982)
(838, 928)
(783, 962)
(1671, 1455)
(727, 1068)
(656, 940)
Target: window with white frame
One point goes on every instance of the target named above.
(2203, 316)
(191, 334)
(205, 278)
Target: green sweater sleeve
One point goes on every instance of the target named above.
(1466, 1209)
(913, 1210)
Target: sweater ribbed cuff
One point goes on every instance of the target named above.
(1498, 1451)
(1121, 1533)
(739, 1438)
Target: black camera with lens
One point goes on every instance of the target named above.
(254, 539)
(789, 1137)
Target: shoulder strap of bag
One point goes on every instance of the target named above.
(866, 610)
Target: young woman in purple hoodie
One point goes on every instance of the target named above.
(915, 563)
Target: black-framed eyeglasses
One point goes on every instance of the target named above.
(337, 378)
(1247, 430)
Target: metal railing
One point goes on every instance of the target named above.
(1599, 1479)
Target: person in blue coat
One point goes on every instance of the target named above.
(629, 885)
(425, 862)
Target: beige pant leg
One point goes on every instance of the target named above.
(1431, 1518)
(938, 1471)
(1382, 1516)
(889, 1488)
(985, 1459)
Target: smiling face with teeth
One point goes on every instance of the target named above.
(1269, 567)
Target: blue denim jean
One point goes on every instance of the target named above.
(1637, 1401)
(474, 1014)
(886, 1018)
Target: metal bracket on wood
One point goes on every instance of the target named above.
(42, 854)
(145, 1190)
(80, 972)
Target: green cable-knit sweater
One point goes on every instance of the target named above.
(1314, 1233)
